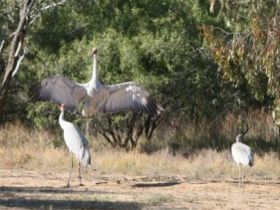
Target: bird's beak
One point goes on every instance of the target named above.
(94, 51)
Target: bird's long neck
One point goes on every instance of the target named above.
(239, 138)
(62, 122)
(94, 82)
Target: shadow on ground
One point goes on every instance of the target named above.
(160, 184)
(11, 198)
(66, 204)
(55, 190)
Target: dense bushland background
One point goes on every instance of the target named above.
(213, 64)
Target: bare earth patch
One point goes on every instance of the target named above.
(26, 189)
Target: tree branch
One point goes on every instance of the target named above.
(19, 62)
(18, 48)
(35, 15)
(2, 46)
(53, 5)
(102, 131)
(16, 42)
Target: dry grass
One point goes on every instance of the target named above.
(23, 148)
(220, 133)
(33, 174)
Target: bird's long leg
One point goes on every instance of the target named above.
(87, 127)
(70, 171)
(243, 177)
(239, 175)
(80, 175)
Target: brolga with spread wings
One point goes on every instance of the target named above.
(93, 96)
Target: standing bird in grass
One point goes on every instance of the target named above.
(76, 143)
(242, 154)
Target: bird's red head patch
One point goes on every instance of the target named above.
(62, 106)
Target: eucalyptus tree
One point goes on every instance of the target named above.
(16, 19)
(247, 48)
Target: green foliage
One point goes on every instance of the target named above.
(158, 44)
(154, 43)
(249, 52)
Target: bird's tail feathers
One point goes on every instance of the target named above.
(86, 162)
(251, 163)
(86, 159)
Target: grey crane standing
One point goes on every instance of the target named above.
(94, 96)
(76, 143)
(242, 154)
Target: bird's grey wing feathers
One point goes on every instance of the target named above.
(251, 157)
(60, 90)
(125, 97)
(85, 156)
(84, 142)
(243, 154)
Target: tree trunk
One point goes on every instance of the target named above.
(14, 54)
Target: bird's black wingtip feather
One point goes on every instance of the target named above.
(34, 92)
(154, 108)
(160, 109)
(37, 93)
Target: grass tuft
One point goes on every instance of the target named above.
(33, 149)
